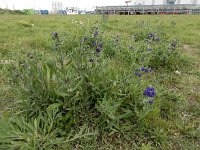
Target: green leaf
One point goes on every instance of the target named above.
(61, 93)
(53, 106)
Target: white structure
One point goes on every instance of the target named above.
(56, 6)
(137, 2)
(164, 2)
(160, 2)
(72, 11)
(178, 1)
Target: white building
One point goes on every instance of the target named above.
(161, 2)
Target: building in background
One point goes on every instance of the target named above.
(168, 7)
(72, 10)
(164, 2)
(137, 2)
(160, 2)
(56, 7)
(178, 1)
(171, 2)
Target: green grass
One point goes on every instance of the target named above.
(174, 122)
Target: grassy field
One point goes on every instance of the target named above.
(80, 82)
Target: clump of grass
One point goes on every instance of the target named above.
(26, 24)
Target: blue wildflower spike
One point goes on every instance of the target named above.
(149, 92)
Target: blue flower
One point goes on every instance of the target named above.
(150, 35)
(84, 39)
(138, 74)
(94, 43)
(146, 69)
(149, 92)
(96, 33)
(142, 69)
(98, 50)
(151, 101)
(100, 45)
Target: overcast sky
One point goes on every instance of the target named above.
(47, 4)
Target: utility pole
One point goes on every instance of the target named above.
(127, 2)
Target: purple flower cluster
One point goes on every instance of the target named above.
(83, 40)
(96, 34)
(94, 43)
(98, 50)
(153, 37)
(100, 45)
(138, 74)
(146, 69)
(150, 92)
